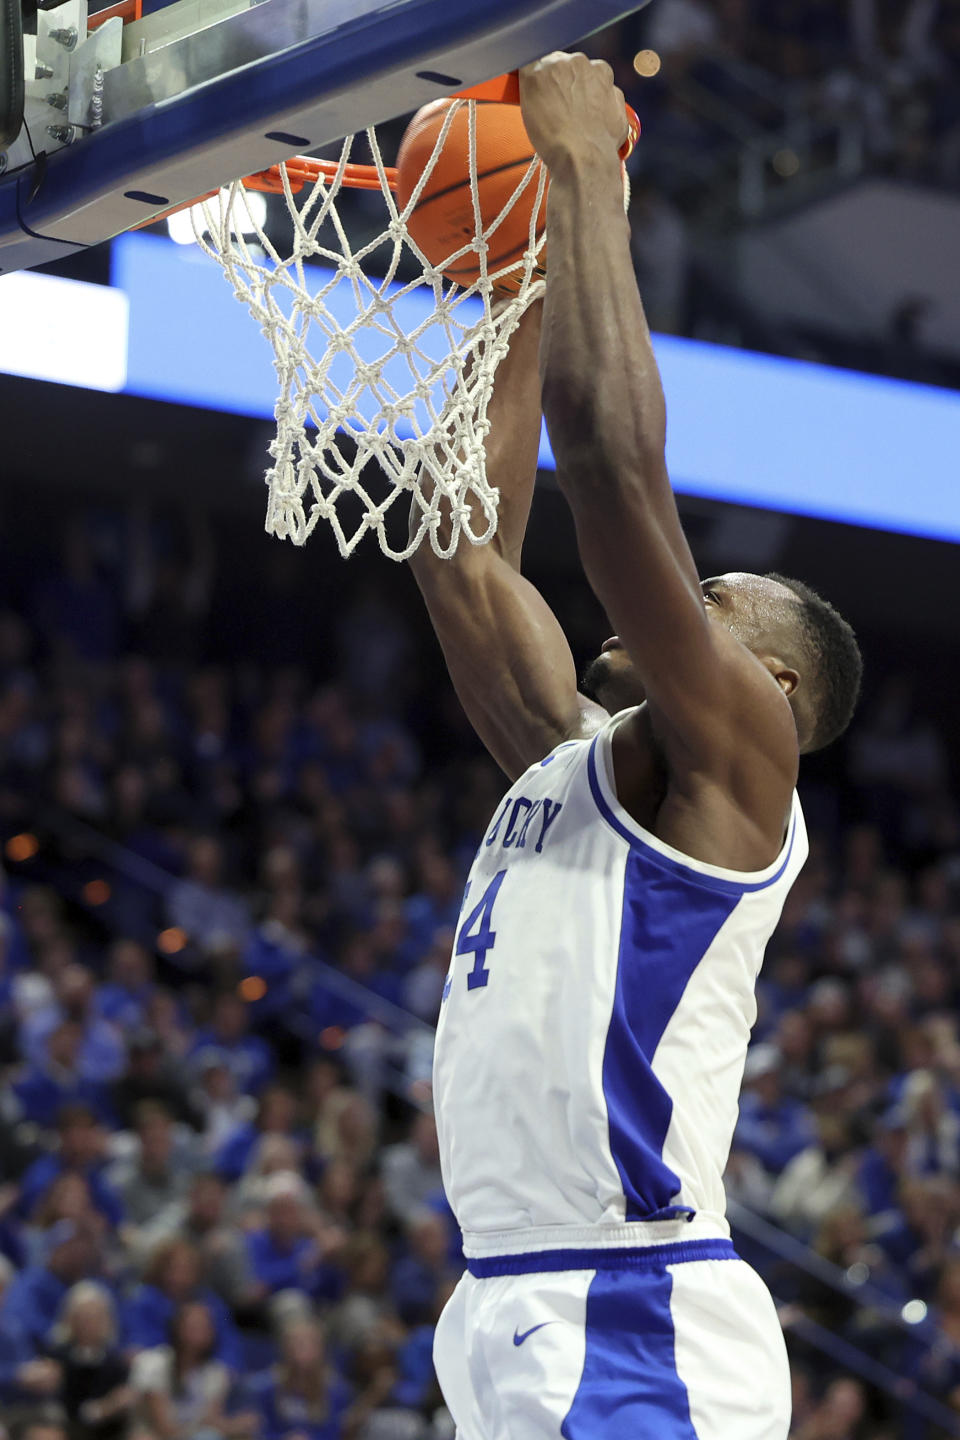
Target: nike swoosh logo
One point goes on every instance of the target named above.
(518, 1339)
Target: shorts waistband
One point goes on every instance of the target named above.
(644, 1258)
(629, 1235)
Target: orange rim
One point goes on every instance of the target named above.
(304, 170)
(126, 9)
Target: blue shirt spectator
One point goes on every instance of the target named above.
(772, 1126)
(32, 1301)
(301, 1395)
(437, 904)
(883, 1162)
(277, 1114)
(418, 1276)
(44, 1173)
(80, 1150)
(415, 1363)
(148, 1314)
(211, 916)
(124, 999)
(101, 1055)
(247, 1056)
(44, 1090)
(285, 1253)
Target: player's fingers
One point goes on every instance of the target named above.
(546, 61)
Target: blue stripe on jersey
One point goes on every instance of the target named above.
(711, 882)
(668, 923)
(610, 1257)
(629, 1385)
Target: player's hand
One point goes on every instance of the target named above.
(570, 107)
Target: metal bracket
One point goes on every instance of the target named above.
(100, 51)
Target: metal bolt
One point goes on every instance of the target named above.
(65, 134)
(43, 72)
(58, 100)
(67, 37)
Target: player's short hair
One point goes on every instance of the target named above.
(831, 646)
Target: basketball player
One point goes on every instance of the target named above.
(601, 993)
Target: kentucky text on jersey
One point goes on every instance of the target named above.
(524, 814)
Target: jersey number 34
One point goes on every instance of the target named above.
(477, 936)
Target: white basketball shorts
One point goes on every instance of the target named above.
(670, 1342)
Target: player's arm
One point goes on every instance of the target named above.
(711, 701)
(508, 659)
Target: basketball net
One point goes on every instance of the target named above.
(372, 412)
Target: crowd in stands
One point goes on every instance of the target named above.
(221, 1210)
(891, 64)
(822, 90)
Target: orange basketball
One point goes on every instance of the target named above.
(443, 220)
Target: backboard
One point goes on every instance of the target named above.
(136, 119)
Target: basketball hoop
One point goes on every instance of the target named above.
(369, 413)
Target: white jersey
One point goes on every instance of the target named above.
(596, 1017)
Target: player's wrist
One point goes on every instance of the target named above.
(585, 165)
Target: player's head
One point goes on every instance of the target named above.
(809, 649)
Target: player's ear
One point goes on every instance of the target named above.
(786, 677)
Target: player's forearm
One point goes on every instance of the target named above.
(513, 442)
(602, 395)
(511, 449)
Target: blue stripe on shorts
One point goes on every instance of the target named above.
(629, 1387)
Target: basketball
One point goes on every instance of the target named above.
(442, 221)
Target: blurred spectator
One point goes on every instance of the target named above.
(366, 1262)
(93, 1387)
(158, 1174)
(289, 1251)
(682, 28)
(153, 1075)
(772, 1126)
(818, 1179)
(919, 1237)
(423, 988)
(211, 916)
(68, 1199)
(841, 1415)
(72, 1252)
(123, 998)
(225, 1111)
(173, 1277)
(201, 1221)
(302, 1394)
(182, 1389)
(435, 905)
(75, 610)
(276, 1115)
(411, 1169)
(47, 1086)
(102, 1054)
(81, 1151)
(228, 1038)
(419, 1275)
(883, 1162)
(41, 1427)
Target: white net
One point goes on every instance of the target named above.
(372, 412)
